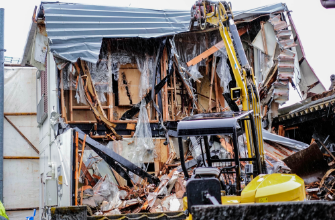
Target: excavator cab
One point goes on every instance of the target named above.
(226, 165)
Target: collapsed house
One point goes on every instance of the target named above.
(115, 81)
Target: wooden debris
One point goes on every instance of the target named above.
(205, 54)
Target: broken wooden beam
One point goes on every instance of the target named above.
(205, 54)
(93, 100)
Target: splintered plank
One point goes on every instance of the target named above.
(206, 54)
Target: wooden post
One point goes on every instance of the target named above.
(165, 102)
(71, 100)
(216, 92)
(175, 104)
(173, 116)
(110, 104)
(211, 85)
(82, 152)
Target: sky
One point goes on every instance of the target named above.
(315, 26)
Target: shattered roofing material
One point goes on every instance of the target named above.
(77, 30)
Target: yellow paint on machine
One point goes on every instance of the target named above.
(265, 188)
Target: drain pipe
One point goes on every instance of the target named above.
(328, 3)
(2, 60)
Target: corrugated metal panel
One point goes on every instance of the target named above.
(76, 30)
(253, 13)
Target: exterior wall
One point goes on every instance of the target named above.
(21, 176)
(54, 151)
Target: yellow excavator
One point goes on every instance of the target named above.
(238, 175)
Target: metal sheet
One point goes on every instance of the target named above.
(284, 141)
(270, 37)
(307, 73)
(77, 30)
(255, 12)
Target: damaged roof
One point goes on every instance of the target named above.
(76, 30)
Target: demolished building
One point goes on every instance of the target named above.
(115, 81)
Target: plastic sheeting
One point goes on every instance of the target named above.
(147, 66)
(101, 77)
(105, 188)
(223, 69)
(21, 177)
(145, 147)
(21, 183)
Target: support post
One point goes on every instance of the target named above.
(2, 12)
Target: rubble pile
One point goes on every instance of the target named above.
(110, 196)
(105, 192)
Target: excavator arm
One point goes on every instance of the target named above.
(219, 14)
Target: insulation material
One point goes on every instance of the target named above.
(145, 147)
(118, 59)
(223, 69)
(69, 81)
(102, 97)
(80, 94)
(101, 77)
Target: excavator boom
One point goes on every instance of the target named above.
(208, 184)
